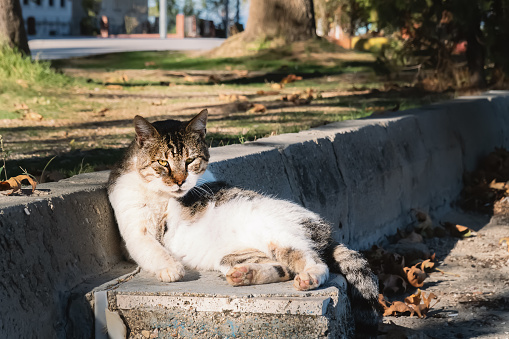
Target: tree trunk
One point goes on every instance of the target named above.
(291, 20)
(12, 29)
(226, 19)
(475, 52)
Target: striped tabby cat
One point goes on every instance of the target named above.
(171, 215)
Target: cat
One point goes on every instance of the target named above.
(172, 214)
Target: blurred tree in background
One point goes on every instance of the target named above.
(465, 42)
(350, 15)
(289, 20)
(438, 30)
(272, 23)
(12, 29)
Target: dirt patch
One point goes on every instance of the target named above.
(473, 292)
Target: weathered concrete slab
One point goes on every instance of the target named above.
(363, 176)
(205, 306)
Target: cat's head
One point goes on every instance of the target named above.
(171, 155)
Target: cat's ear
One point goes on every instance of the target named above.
(198, 124)
(144, 130)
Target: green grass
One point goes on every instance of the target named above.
(283, 59)
(17, 68)
(33, 84)
(266, 62)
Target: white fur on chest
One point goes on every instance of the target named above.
(129, 194)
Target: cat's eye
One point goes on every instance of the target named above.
(189, 161)
(163, 162)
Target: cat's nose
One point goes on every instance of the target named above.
(179, 178)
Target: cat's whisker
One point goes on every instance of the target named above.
(208, 189)
(196, 190)
(203, 191)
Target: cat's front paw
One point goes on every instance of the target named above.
(171, 274)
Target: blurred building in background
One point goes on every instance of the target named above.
(125, 16)
(44, 18)
(48, 18)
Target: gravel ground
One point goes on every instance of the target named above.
(474, 294)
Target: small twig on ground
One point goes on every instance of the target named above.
(448, 273)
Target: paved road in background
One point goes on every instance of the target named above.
(46, 49)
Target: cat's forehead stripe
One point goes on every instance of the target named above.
(176, 144)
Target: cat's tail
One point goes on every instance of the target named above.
(362, 289)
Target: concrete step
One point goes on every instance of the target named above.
(203, 305)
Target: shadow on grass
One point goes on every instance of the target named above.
(69, 163)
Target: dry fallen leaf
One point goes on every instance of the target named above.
(414, 299)
(422, 309)
(232, 97)
(158, 102)
(506, 239)
(501, 186)
(396, 308)
(382, 301)
(459, 231)
(14, 184)
(125, 78)
(427, 265)
(298, 98)
(32, 116)
(412, 304)
(290, 78)
(427, 301)
(415, 276)
(261, 92)
(102, 111)
(276, 86)
(258, 108)
(150, 63)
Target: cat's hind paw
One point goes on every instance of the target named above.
(305, 281)
(239, 276)
(171, 274)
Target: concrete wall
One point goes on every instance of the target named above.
(49, 245)
(364, 176)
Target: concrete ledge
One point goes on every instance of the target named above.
(363, 176)
(192, 308)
